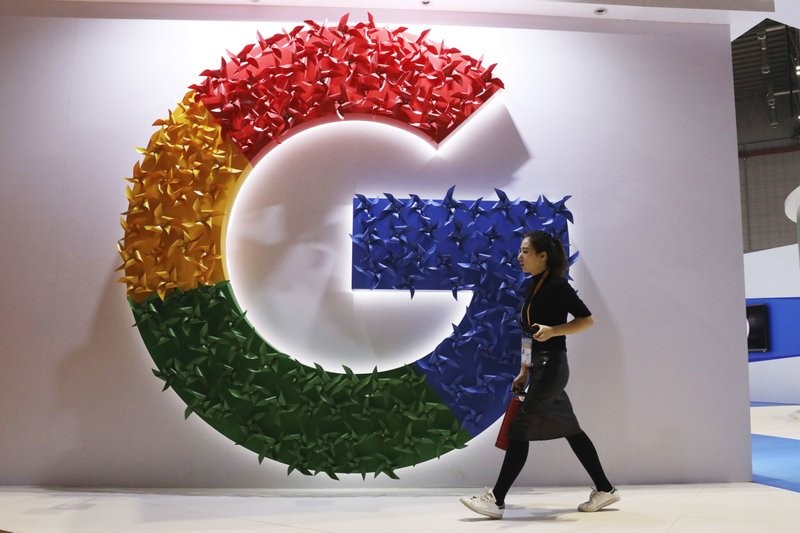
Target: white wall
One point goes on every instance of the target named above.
(634, 120)
(773, 273)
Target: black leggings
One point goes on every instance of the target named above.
(517, 454)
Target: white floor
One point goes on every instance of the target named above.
(776, 421)
(722, 508)
(728, 508)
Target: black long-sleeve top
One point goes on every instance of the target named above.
(555, 300)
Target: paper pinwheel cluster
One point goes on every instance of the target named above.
(318, 71)
(309, 419)
(177, 199)
(415, 244)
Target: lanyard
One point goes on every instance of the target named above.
(533, 295)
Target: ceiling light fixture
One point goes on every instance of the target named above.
(600, 11)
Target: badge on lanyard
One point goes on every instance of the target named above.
(527, 349)
(527, 338)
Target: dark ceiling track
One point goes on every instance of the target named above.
(745, 154)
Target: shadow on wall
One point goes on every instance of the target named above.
(117, 418)
(288, 250)
(599, 352)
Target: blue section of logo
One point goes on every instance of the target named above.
(448, 244)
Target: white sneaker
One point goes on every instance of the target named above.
(599, 499)
(484, 504)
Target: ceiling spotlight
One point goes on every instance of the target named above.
(600, 11)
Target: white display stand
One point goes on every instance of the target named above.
(792, 209)
(792, 205)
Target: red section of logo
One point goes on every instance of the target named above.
(316, 71)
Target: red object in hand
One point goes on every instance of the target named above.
(511, 412)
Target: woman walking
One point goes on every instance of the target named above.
(546, 413)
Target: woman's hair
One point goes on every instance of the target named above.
(556, 257)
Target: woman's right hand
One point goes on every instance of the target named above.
(521, 381)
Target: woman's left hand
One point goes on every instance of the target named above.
(544, 333)
(575, 325)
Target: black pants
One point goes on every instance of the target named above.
(517, 454)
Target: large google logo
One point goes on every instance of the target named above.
(205, 349)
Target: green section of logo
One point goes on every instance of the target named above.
(310, 419)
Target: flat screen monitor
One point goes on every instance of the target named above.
(757, 328)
